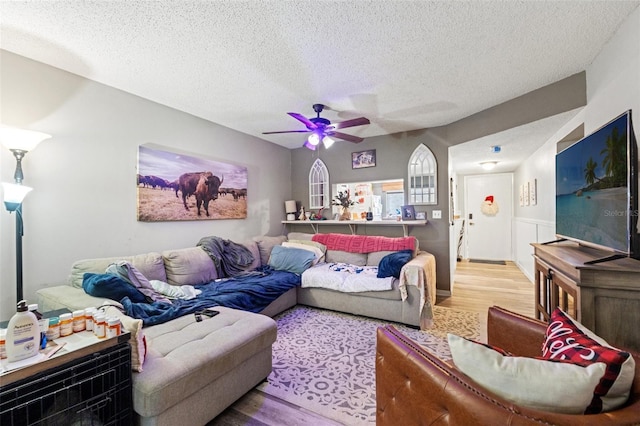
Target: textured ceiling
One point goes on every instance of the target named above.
(405, 65)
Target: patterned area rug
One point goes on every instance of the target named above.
(324, 361)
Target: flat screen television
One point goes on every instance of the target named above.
(597, 190)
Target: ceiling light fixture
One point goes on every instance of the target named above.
(489, 165)
(314, 139)
(327, 141)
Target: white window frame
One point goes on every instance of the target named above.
(423, 177)
(318, 185)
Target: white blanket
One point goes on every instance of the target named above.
(345, 278)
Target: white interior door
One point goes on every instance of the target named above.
(488, 232)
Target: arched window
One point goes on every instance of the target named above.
(423, 177)
(318, 185)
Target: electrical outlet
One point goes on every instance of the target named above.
(436, 214)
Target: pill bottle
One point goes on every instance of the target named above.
(99, 326)
(88, 318)
(66, 325)
(78, 321)
(113, 327)
(53, 332)
(33, 308)
(3, 336)
(95, 314)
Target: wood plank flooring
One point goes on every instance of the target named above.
(477, 286)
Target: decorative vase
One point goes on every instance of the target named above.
(346, 214)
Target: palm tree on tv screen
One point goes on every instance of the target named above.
(590, 171)
(615, 159)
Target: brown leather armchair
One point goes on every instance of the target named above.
(414, 387)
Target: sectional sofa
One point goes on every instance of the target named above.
(185, 369)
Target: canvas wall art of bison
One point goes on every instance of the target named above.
(173, 186)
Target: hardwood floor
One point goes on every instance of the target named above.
(477, 286)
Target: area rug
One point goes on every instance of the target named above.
(324, 361)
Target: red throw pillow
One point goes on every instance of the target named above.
(567, 339)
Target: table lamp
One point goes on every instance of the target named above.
(290, 208)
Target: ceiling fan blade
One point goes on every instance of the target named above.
(351, 123)
(310, 124)
(286, 131)
(346, 137)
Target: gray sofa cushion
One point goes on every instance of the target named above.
(150, 265)
(184, 356)
(255, 252)
(265, 245)
(188, 266)
(339, 256)
(299, 236)
(374, 258)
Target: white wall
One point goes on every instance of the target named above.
(84, 200)
(613, 86)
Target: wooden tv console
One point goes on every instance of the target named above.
(604, 297)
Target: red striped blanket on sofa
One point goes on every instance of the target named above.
(364, 243)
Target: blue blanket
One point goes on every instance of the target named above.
(252, 292)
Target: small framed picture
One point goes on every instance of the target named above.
(408, 213)
(533, 192)
(362, 159)
(421, 215)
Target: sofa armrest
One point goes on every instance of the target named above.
(414, 386)
(66, 297)
(421, 273)
(520, 335)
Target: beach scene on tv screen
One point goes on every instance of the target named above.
(591, 188)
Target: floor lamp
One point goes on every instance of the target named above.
(19, 142)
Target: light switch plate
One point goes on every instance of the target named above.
(436, 214)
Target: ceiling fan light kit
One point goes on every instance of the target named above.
(323, 130)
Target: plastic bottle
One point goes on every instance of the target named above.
(113, 327)
(78, 321)
(66, 325)
(23, 334)
(3, 336)
(88, 318)
(33, 308)
(99, 326)
(54, 328)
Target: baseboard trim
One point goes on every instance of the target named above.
(443, 293)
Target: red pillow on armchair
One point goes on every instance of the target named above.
(567, 339)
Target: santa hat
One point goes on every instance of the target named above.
(489, 198)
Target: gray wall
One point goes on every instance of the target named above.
(613, 87)
(84, 200)
(393, 154)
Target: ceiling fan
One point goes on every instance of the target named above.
(323, 130)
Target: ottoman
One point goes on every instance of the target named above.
(194, 370)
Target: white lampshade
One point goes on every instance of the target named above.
(313, 139)
(327, 141)
(290, 206)
(13, 194)
(24, 140)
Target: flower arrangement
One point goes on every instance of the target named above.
(343, 200)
